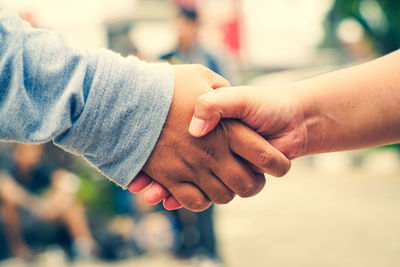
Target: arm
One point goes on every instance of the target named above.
(61, 196)
(111, 110)
(347, 109)
(12, 197)
(13, 233)
(354, 107)
(96, 104)
(14, 194)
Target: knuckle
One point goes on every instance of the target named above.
(284, 171)
(201, 68)
(244, 185)
(227, 129)
(264, 159)
(248, 190)
(208, 151)
(170, 179)
(253, 188)
(198, 204)
(206, 73)
(205, 103)
(153, 198)
(204, 68)
(224, 198)
(191, 164)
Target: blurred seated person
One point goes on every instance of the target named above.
(39, 206)
(195, 231)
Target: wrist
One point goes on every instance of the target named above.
(300, 112)
(311, 121)
(284, 123)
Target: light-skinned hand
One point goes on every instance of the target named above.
(199, 171)
(273, 112)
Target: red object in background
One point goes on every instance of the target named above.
(230, 28)
(231, 32)
(29, 17)
(186, 3)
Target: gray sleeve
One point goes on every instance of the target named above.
(123, 116)
(96, 104)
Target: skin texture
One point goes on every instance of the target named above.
(347, 109)
(352, 108)
(272, 112)
(199, 171)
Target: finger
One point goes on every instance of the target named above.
(239, 177)
(221, 103)
(170, 203)
(190, 197)
(217, 81)
(213, 79)
(255, 149)
(255, 168)
(155, 194)
(215, 190)
(138, 184)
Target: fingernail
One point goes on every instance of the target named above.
(197, 126)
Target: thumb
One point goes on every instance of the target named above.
(210, 108)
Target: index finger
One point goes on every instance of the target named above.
(254, 148)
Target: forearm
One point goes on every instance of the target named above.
(14, 194)
(11, 223)
(353, 108)
(64, 187)
(96, 104)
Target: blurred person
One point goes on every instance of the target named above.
(195, 231)
(37, 202)
(125, 116)
(189, 50)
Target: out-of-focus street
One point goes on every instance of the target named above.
(316, 218)
(313, 217)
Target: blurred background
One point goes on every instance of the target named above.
(337, 209)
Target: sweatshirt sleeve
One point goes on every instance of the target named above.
(108, 109)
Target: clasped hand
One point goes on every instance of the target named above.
(194, 172)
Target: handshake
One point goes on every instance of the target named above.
(200, 159)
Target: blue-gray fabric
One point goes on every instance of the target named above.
(96, 104)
